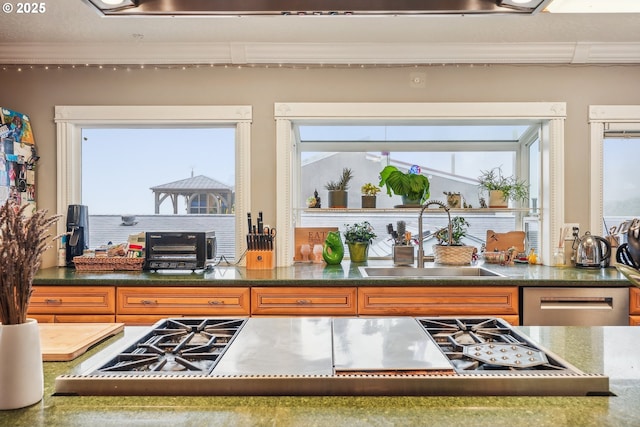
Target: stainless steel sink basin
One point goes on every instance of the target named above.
(437, 271)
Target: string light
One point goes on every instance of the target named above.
(293, 66)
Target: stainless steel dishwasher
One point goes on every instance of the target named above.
(551, 306)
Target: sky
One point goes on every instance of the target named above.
(119, 166)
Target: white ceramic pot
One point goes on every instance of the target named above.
(21, 374)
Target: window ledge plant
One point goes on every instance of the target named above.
(369, 189)
(338, 196)
(511, 187)
(413, 187)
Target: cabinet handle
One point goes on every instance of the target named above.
(53, 301)
(148, 302)
(303, 301)
(216, 302)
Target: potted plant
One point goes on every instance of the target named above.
(358, 238)
(369, 195)
(450, 250)
(23, 241)
(338, 196)
(458, 231)
(412, 185)
(502, 188)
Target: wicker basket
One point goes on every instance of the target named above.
(453, 255)
(107, 263)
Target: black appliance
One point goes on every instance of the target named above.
(78, 232)
(179, 250)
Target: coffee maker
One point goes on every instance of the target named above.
(78, 232)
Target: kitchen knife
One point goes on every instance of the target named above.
(260, 223)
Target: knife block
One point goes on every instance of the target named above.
(261, 260)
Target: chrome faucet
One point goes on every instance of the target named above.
(428, 203)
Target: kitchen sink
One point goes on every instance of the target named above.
(438, 271)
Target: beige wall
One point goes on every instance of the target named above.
(36, 92)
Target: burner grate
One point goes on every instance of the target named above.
(178, 346)
(481, 344)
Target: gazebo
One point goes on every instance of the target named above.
(203, 195)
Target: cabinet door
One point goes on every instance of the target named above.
(634, 301)
(183, 301)
(303, 301)
(73, 300)
(438, 301)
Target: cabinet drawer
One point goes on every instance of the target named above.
(73, 300)
(303, 301)
(438, 301)
(634, 301)
(185, 301)
(634, 320)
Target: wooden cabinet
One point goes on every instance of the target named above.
(634, 306)
(73, 304)
(146, 305)
(304, 301)
(498, 301)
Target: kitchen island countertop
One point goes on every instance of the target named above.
(612, 351)
(345, 274)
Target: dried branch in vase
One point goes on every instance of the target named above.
(23, 241)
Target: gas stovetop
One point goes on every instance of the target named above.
(488, 345)
(329, 356)
(176, 346)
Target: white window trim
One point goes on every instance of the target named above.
(551, 147)
(71, 119)
(599, 117)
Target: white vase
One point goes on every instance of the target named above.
(21, 372)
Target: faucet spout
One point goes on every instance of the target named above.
(428, 203)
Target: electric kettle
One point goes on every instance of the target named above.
(593, 251)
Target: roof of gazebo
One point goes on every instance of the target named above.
(195, 183)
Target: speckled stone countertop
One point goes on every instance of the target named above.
(345, 274)
(609, 350)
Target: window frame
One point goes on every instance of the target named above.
(71, 119)
(603, 118)
(552, 116)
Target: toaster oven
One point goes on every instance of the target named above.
(179, 250)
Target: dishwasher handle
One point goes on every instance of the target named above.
(576, 303)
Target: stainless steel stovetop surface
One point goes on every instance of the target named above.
(329, 356)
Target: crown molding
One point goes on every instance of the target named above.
(319, 53)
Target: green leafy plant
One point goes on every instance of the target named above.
(511, 187)
(411, 185)
(369, 189)
(359, 232)
(342, 183)
(458, 231)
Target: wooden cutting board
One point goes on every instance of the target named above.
(504, 241)
(61, 342)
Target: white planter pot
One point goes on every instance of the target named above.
(21, 374)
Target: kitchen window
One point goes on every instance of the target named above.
(541, 128)
(325, 150)
(615, 148)
(73, 120)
